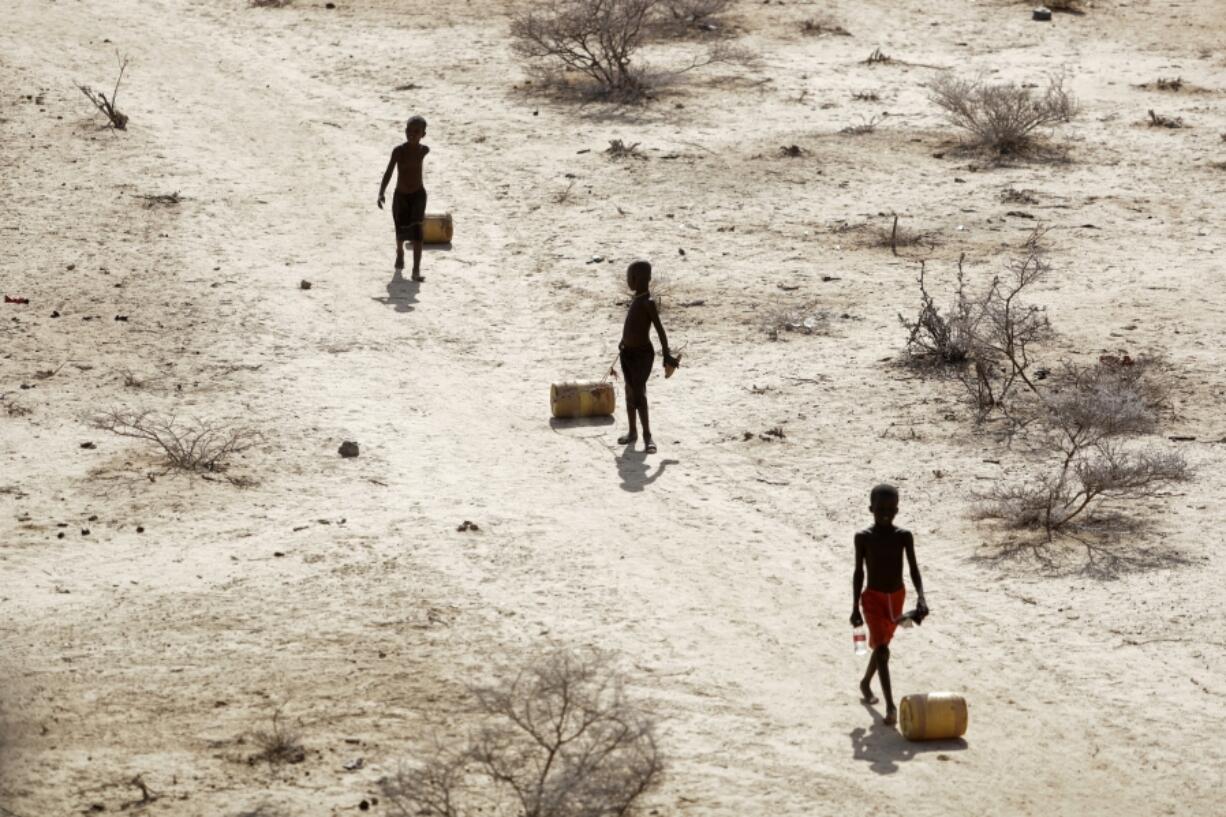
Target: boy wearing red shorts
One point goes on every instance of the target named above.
(881, 549)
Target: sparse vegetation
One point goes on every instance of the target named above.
(619, 149)
(560, 739)
(1005, 118)
(819, 26)
(804, 319)
(197, 446)
(1084, 417)
(279, 743)
(877, 57)
(1011, 195)
(1157, 120)
(597, 38)
(118, 120)
(866, 96)
(865, 126)
(270, 4)
(1164, 84)
(681, 16)
(896, 235)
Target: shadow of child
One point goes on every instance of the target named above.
(634, 471)
(401, 293)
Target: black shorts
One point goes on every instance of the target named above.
(409, 211)
(636, 367)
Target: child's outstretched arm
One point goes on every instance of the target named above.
(669, 360)
(387, 176)
(857, 584)
(916, 581)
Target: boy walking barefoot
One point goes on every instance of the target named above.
(881, 549)
(637, 353)
(409, 199)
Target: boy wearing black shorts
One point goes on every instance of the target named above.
(409, 199)
(637, 354)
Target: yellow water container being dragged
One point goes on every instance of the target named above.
(437, 228)
(581, 399)
(932, 716)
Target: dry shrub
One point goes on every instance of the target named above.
(118, 120)
(819, 26)
(865, 126)
(1006, 118)
(1157, 120)
(986, 336)
(196, 445)
(278, 744)
(1084, 418)
(679, 17)
(560, 739)
(896, 235)
(596, 38)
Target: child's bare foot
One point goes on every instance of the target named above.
(867, 692)
(400, 262)
(651, 447)
(417, 276)
(628, 439)
(891, 717)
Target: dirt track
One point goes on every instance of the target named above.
(720, 567)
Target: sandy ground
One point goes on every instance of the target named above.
(720, 568)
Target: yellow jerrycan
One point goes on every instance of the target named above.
(932, 716)
(581, 399)
(437, 228)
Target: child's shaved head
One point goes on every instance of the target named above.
(639, 274)
(416, 121)
(882, 491)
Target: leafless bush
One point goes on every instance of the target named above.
(1085, 417)
(681, 16)
(619, 149)
(1006, 118)
(897, 235)
(1011, 195)
(1164, 84)
(942, 339)
(280, 743)
(988, 335)
(197, 445)
(865, 126)
(819, 26)
(1157, 120)
(561, 739)
(597, 38)
(118, 120)
(877, 57)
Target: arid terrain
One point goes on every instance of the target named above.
(153, 621)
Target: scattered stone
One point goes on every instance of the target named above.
(123, 318)
(304, 284)
(1042, 14)
(348, 449)
(140, 528)
(55, 313)
(278, 553)
(88, 445)
(355, 764)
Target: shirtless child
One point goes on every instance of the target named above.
(637, 353)
(409, 200)
(881, 548)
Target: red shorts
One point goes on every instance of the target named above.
(879, 611)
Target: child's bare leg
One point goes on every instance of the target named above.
(417, 260)
(866, 688)
(399, 253)
(633, 434)
(882, 655)
(651, 447)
